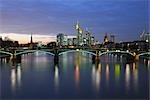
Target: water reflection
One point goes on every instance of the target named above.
(107, 74)
(56, 78)
(148, 64)
(77, 75)
(106, 80)
(16, 77)
(135, 76)
(13, 79)
(127, 77)
(117, 71)
(77, 71)
(96, 76)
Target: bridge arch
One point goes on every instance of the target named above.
(4, 52)
(70, 51)
(123, 52)
(145, 53)
(32, 51)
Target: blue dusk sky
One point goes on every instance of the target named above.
(126, 19)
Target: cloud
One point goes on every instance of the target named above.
(25, 38)
(50, 17)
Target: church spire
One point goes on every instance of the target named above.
(31, 40)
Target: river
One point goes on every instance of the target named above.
(36, 76)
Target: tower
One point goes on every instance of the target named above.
(106, 38)
(112, 38)
(88, 42)
(31, 40)
(31, 43)
(79, 35)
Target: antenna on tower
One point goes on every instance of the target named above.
(142, 34)
(87, 29)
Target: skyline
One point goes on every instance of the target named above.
(126, 19)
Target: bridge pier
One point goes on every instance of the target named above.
(96, 58)
(15, 58)
(56, 57)
(136, 58)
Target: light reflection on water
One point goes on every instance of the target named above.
(127, 77)
(77, 76)
(16, 77)
(96, 78)
(107, 74)
(117, 71)
(135, 76)
(103, 75)
(56, 78)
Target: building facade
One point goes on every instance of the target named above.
(62, 40)
(87, 36)
(92, 40)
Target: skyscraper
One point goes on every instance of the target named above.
(62, 39)
(88, 42)
(106, 38)
(92, 40)
(75, 41)
(79, 35)
(70, 41)
(112, 38)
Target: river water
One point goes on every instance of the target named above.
(74, 77)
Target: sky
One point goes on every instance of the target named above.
(126, 19)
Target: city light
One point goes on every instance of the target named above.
(74, 49)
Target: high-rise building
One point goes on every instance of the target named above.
(65, 41)
(75, 41)
(70, 41)
(88, 42)
(106, 38)
(79, 35)
(112, 38)
(80, 38)
(92, 40)
(84, 41)
(62, 39)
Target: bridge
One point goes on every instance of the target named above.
(96, 53)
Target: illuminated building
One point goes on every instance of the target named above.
(62, 39)
(106, 38)
(84, 41)
(65, 41)
(92, 40)
(75, 41)
(70, 41)
(112, 38)
(88, 42)
(79, 35)
(39, 44)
